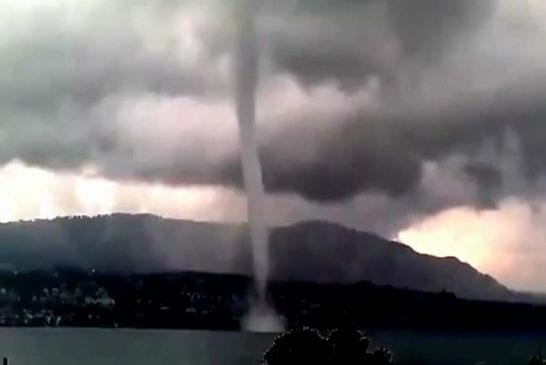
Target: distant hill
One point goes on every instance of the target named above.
(335, 253)
(311, 251)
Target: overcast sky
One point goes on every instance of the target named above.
(420, 120)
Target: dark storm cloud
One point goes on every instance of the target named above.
(426, 28)
(101, 96)
(63, 67)
(318, 64)
(350, 40)
(324, 40)
(489, 180)
(385, 151)
(341, 164)
(52, 63)
(484, 174)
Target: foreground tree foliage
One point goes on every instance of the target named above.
(537, 360)
(341, 346)
(338, 347)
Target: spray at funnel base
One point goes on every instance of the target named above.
(261, 317)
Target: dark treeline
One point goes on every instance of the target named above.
(371, 306)
(68, 297)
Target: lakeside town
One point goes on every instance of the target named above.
(68, 297)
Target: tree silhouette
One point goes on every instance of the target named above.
(342, 346)
(381, 356)
(348, 346)
(298, 347)
(537, 360)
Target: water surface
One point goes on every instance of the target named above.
(29, 346)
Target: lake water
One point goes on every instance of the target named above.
(157, 347)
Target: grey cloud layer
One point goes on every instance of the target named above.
(70, 69)
(143, 92)
(351, 40)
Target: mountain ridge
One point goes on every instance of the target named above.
(311, 251)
